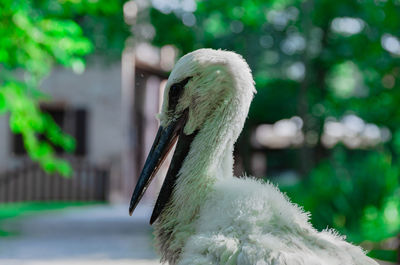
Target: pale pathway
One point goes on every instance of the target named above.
(101, 235)
(94, 235)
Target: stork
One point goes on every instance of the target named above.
(205, 215)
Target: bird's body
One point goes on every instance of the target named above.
(205, 215)
(246, 222)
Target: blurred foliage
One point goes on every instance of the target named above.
(274, 35)
(35, 37)
(357, 193)
(316, 60)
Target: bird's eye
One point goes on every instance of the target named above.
(175, 91)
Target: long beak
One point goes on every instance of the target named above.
(181, 151)
(165, 139)
(163, 143)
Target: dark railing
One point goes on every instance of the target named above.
(29, 182)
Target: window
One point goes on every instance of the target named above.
(71, 121)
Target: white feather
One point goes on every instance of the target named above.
(214, 217)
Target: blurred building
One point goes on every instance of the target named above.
(110, 110)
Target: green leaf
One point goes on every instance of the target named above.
(3, 103)
(64, 168)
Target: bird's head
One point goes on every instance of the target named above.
(202, 85)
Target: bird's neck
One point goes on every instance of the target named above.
(210, 158)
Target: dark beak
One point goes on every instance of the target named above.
(164, 141)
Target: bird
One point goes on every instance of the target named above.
(206, 215)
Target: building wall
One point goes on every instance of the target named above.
(98, 90)
(113, 104)
(4, 141)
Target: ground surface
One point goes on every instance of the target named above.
(101, 235)
(84, 235)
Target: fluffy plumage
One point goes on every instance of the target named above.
(215, 218)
